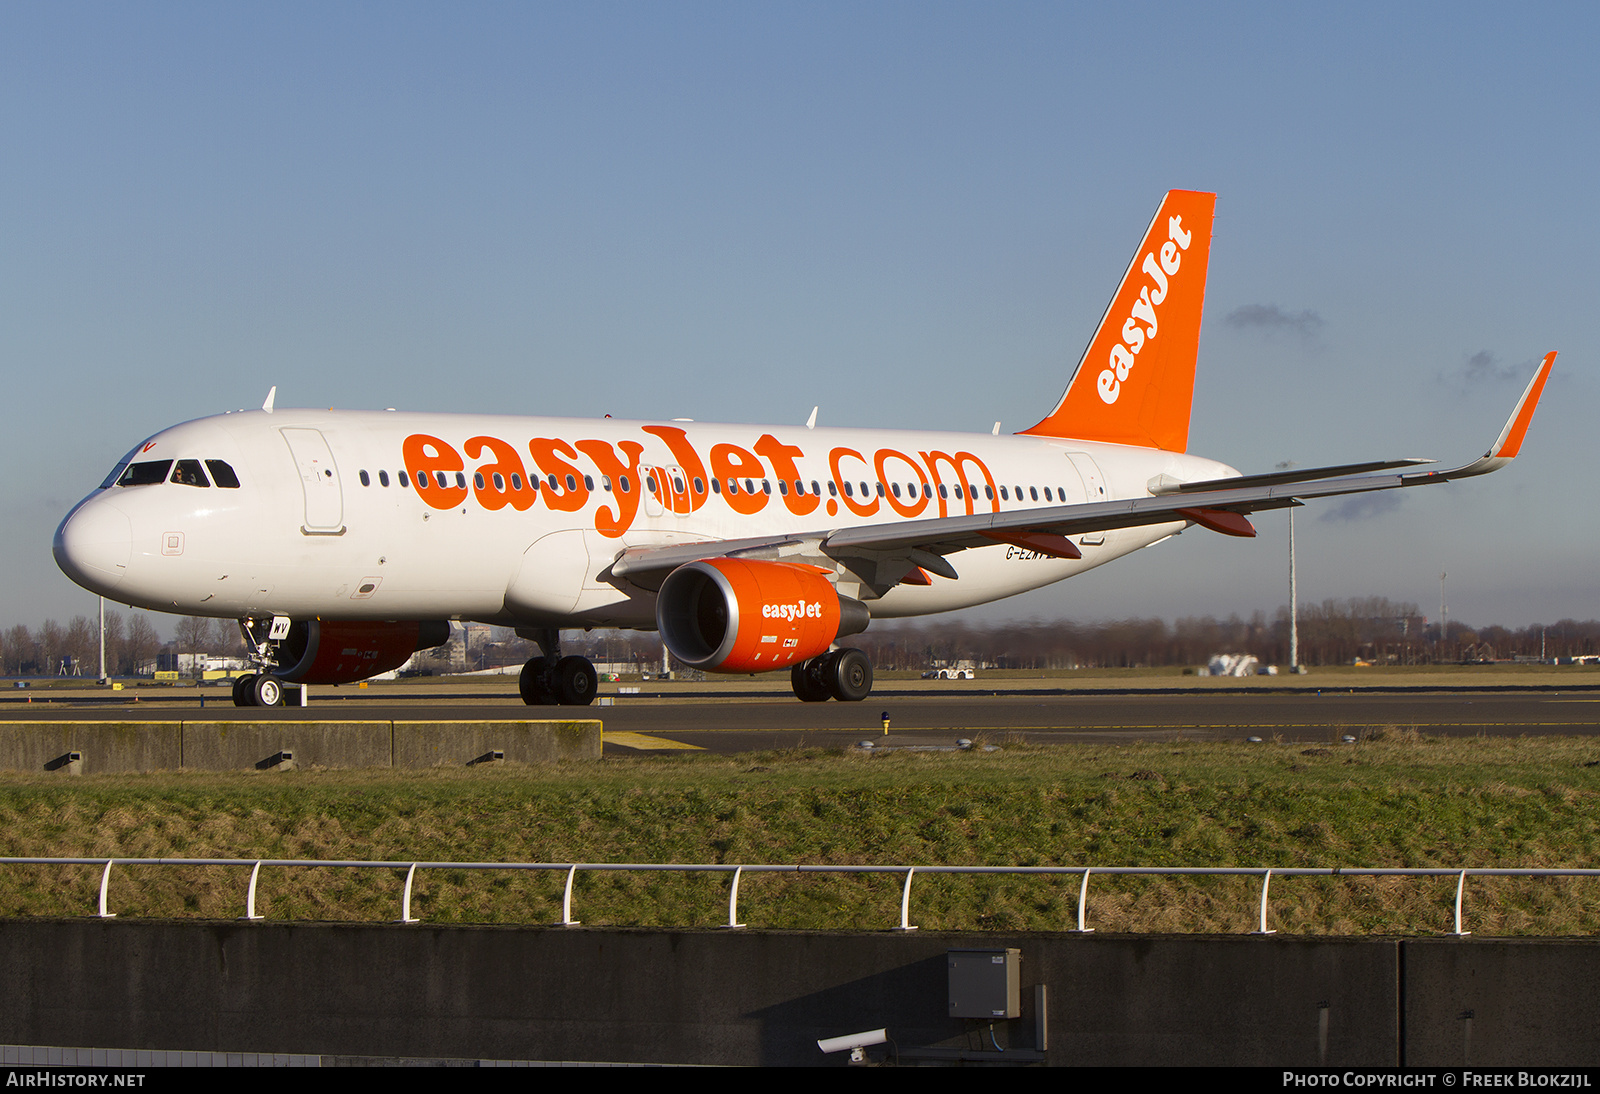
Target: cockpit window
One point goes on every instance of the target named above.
(145, 474)
(116, 473)
(188, 473)
(223, 475)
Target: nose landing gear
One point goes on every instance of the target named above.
(257, 690)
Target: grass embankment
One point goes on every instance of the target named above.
(1397, 800)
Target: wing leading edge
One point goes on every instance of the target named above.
(1219, 504)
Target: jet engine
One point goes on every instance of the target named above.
(749, 615)
(332, 652)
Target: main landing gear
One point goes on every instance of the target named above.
(552, 679)
(844, 674)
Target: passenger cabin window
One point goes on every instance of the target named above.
(365, 480)
(188, 473)
(383, 478)
(145, 474)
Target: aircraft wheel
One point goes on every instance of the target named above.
(244, 690)
(576, 681)
(267, 691)
(534, 683)
(850, 675)
(806, 679)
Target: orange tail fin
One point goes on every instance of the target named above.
(1135, 383)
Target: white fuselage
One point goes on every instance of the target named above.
(327, 520)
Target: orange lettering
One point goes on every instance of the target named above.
(851, 503)
(506, 464)
(433, 465)
(729, 463)
(684, 455)
(626, 484)
(958, 464)
(564, 488)
(781, 456)
(905, 509)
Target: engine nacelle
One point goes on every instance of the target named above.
(320, 652)
(749, 615)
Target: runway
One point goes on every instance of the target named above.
(728, 720)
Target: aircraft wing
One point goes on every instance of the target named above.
(1218, 504)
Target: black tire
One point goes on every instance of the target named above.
(534, 683)
(807, 681)
(576, 681)
(850, 678)
(244, 694)
(267, 691)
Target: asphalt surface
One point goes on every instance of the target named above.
(729, 722)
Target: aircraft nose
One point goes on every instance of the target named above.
(93, 544)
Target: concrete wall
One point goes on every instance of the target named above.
(748, 997)
(122, 747)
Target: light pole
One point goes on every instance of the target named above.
(1444, 618)
(1294, 591)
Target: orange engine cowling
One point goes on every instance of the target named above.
(748, 615)
(320, 652)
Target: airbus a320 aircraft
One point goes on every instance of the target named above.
(345, 541)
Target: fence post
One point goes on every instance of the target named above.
(250, 896)
(1083, 902)
(733, 900)
(405, 901)
(905, 902)
(1461, 883)
(1265, 881)
(566, 900)
(105, 879)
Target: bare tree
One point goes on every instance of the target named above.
(193, 635)
(141, 645)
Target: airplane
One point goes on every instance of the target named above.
(345, 541)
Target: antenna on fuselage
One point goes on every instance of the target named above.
(995, 432)
(272, 394)
(811, 422)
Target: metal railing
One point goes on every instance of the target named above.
(571, 869)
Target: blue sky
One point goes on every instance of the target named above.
(910, 214)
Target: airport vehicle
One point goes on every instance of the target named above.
(344, 541)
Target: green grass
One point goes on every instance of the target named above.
(1395, 799)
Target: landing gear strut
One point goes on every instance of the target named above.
(845, 675)
(552, 679)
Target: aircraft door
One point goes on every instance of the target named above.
(678, 491)
(666, 491)
(652, 478)
(1094, 489)
(319, 481)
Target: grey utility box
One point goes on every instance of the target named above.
(985, 983)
